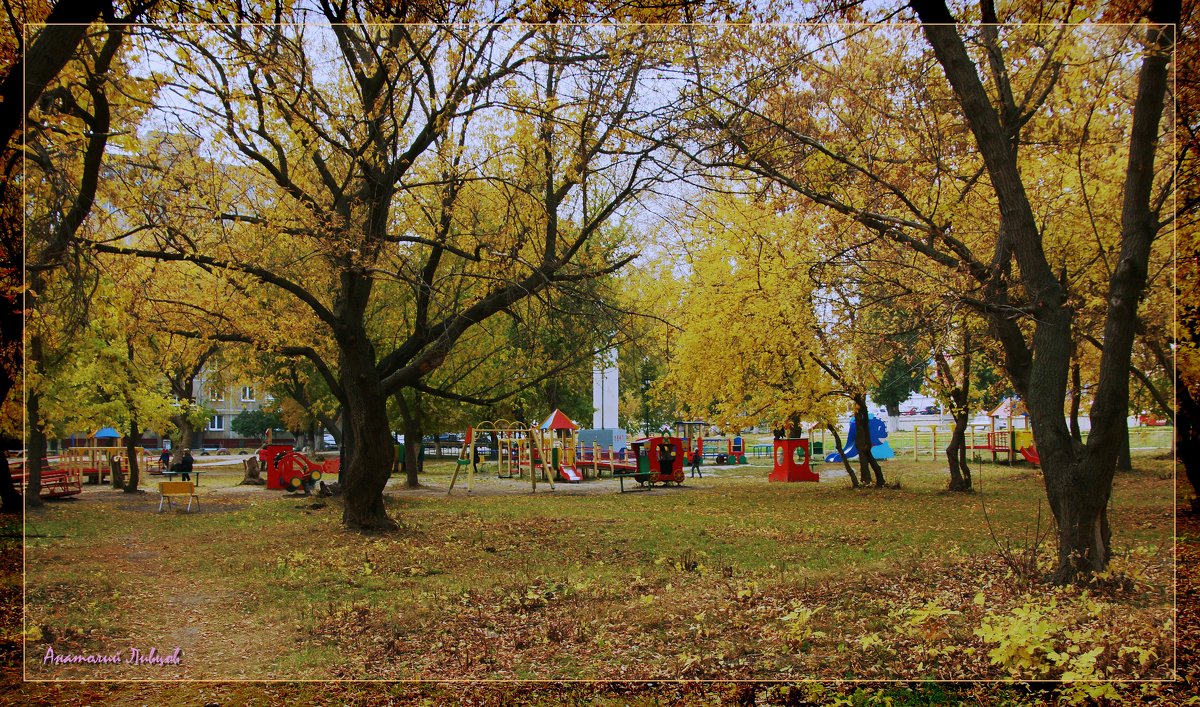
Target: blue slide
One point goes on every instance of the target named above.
(879, 448)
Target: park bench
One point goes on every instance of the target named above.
(170, 490)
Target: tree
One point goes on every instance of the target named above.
(1078, 481)
(346, 192)
(69, 176)
(794, 148)
(901, 378)
(25, 74)
(1186, 375)
(753, 350)
(255, 423)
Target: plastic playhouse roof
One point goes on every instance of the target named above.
(106, 433)
(558, 421)
(1009, 408)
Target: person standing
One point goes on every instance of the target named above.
(164, 459)
(666, 457)
(696, 462)
(185, 465)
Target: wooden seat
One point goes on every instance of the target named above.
(170, 490)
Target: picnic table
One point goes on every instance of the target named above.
(173, 474)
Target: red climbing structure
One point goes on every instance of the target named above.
(792, 461)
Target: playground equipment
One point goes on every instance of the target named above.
(56, 483)
(96, 462)
(879, 448)
(791, 461)
(656, 460)
(691, 432)
(559, 435)
(1022, 441)
(288, 470)
(721, 450)
(518, 448)
(599, 458)
(1001, 439)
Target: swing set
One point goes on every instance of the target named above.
(518, 448)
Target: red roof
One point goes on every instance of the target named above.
(559, 421)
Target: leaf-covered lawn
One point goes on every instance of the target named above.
(726, 577)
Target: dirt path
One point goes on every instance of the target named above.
(159, 604)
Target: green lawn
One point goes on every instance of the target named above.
(727, 576)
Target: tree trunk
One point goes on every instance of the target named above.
(1187, 435)
(410, 415)
(1078, 479)
(412, 451)
(132, 440)
(867, 464)
(114, 470)
(1124, 459)
(960, 410)
(368, 454)
(35, 449)
(1076, 395)
(9, 495)
(837, 440)
(253, 475)
(1079, 499)
(186, 432)
(956, 451)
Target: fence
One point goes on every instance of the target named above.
(929, 442)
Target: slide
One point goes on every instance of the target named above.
(879, 449)
(851, 452)
(570, 473)
(1031, 455)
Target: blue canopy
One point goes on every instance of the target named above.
(106, 433)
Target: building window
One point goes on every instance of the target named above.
(216, 394)
(217, 423)
(247, 394)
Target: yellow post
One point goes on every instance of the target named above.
(1012, 440)
(933, 450)
(916, 444)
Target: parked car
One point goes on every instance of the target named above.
(910, 411)
(931, 410)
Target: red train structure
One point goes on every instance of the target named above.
(289, 470)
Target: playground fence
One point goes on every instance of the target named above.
(929, 442)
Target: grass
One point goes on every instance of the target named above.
(728, 576)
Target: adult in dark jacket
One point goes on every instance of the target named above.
(666, 457)
(185, 465)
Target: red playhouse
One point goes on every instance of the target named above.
(289, 470)
(791, 461)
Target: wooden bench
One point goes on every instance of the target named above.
(170, 490)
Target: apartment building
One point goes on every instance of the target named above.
(227, 401)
